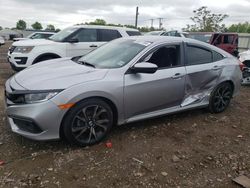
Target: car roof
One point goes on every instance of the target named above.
(169, 39)
(159, 39)
(104, 27)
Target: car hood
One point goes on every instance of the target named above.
(57, 74)
(18, 39)
(243, 56)
(33, 42)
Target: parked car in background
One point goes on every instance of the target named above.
(225, 41)
(154, 33)
(70, 42)
(2, 41)
(36, 35)
(244, 57)
(125, 80)
(173, 33)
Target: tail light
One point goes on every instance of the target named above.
(241, 65)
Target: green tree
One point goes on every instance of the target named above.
(205, 20)
(50, 27)
(57, 30)
(37, 26)
(130, 26)
(98, 22)
(1, 28)
(240, 28)
(21, 24)
(103, 22)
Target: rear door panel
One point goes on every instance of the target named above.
(200, 80)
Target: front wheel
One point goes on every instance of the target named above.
(220, 98)
(88, 122)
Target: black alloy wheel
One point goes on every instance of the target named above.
(221, 97)
(88, 122)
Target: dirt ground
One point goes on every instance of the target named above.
(190, 149)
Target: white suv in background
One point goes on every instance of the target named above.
(70, 42)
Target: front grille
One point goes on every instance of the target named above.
(27, 125)
(246, 73)
(11, 49)
(21, 60)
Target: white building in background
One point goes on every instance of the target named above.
(9, 34)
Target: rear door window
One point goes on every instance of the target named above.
(197, 55)
(217, 56)
(106, 35)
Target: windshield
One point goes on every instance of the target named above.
(39, 35)
(114, 54)
(154, 33)
(60, 36)
(35, 36)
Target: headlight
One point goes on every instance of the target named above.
(23, 49)
(38, 97)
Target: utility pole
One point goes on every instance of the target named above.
(136, 16)
(160, 22)
(152, 23)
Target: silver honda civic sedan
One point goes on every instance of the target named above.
(124, 81)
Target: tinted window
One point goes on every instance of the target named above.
(166, 56)
(108, 34)
(172, 33)
(197, 55)
(217, 56)
(228, 39)
(133, 33)
(86, 35)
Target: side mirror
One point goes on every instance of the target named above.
(144, 67)
(73, 40)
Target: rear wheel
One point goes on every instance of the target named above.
(88, 122)
(220, 98)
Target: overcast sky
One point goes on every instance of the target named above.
(63, 13)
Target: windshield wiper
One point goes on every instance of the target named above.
(86, 63)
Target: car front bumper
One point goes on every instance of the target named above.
(45, 116)
(18, 61)
(38, 121)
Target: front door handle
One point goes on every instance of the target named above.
(216, 68)
(93, 46)
(177, 76)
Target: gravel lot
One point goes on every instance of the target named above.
(190, 149)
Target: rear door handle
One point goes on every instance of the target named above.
(177, 76)
(93, 46)
(216, 67)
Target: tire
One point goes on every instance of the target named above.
(220, 98)
(88, 122)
